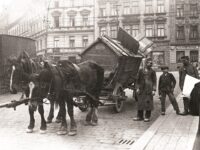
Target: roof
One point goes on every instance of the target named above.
(15, 36)
(114, 45)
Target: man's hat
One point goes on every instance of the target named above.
(185, 57)
(164, 67)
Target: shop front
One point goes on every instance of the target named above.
(176, 52)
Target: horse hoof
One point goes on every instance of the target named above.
(42, 131)
(58, 121)
(29, 130)
(72, 133)
(94, 123)
(87, 123)
(62, 132)
(49, 121)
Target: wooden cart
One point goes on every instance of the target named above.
(121, 67)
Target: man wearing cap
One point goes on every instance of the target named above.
(166, 86)
(188, 69)
(145, 89)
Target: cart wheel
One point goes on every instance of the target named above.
(119, 103)
(84, 106)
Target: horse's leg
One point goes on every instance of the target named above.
(70, 108)
(51, 112)
(94, 116)
(59, 116)
(63, 128)
(43, 121)
(89, 114)
(95, 111)
(32, 120)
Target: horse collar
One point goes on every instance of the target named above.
(76, 67)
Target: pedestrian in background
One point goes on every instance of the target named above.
(166, 86)
(145, 90)
(188, 69)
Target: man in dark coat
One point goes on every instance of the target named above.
(166, 86)
(145, 89)
(195, 110)
(189, 69)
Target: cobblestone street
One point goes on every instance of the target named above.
(114, 131)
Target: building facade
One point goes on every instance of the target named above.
(184, 27)
(147, 17)
(67, 27)
(70, 29)
(62, 31)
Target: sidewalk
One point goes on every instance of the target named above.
(169, 132)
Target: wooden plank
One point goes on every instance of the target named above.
(178, 132)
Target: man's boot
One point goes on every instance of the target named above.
(186, 107)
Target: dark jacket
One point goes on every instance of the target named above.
(167, 83)
(195, 100)
(190, 70)
(146, 83)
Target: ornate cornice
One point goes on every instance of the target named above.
(149, 19)
(85, 12)
(102, 22)
(161, 19)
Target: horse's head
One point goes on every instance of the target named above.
(21, 68)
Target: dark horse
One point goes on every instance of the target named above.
(67, 80)
(23, 70)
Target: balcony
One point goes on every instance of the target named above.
(65, 50)
(73, 28)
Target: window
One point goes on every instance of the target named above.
(179, 10)
(148, 6)
(161, 7)
(71, 3)
(149, 30)
(113, 31)
(56, 42)
(194, 56)
(127, 28)
(72, 21)
(102, 30)
(160, 30)
(102, 11)
(180, 33)
(179, 54)
(194, 32)
(126, 8)
(113, 10)
(56, 22)
(41, 44)
(85, 41)
(135, 7)
(71, 42)
(56, 4)
(135, 30)
(194, 10)
(158, 58)
(85, 20)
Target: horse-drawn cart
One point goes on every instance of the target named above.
(121, 67)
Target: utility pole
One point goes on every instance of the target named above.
(117, 13)
(47, 25)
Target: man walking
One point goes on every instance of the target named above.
(166, 86)
(145, 89)
(188, 69)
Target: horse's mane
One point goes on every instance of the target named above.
(66, 66)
